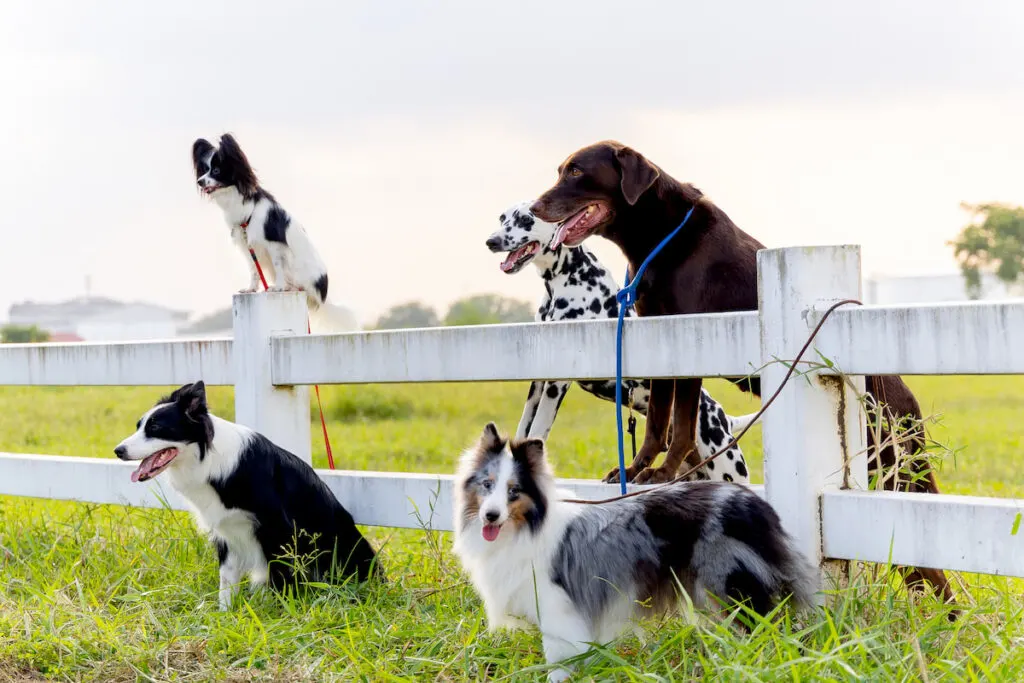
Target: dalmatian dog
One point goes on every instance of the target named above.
(578, 287)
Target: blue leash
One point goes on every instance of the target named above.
(626, 298)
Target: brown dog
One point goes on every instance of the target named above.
(610, 190)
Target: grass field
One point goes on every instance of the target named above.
(102, 593)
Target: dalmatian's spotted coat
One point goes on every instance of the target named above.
(578, 287)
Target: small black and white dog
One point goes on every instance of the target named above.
(287, 256)
(581, 573)
(265, 509)
(578, 287)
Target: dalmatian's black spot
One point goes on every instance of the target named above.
(553, 391)
(729, 454)
(595, 306)
(561, 303)
(523, 221)
(573, 313)
(533, 390)
(711, 465)
(741, 469)
(501, 219)
(726, 476)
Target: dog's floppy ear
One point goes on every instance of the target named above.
(233, 156)
(491, 440)
(638, 174)
(191, 398)
(529, 452)
(200, 148)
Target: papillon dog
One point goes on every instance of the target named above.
(260, 226)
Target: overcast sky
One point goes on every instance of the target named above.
(398, 131)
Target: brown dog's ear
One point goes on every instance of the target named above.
(529, 452)
(491, 440)
(638, 174)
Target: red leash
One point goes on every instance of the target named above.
(316, 387)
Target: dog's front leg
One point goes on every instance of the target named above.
(565, 634)
(254, 274)
(230, 575)
(551, 396)
(659, 413)
(684, 428)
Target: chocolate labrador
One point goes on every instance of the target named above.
(611, 190)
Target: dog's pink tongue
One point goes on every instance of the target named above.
(560, 235)
(491, 531)
(509, 263)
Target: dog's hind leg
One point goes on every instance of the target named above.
(280, 257)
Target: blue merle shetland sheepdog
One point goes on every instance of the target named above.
(581, 573)
(266, 510)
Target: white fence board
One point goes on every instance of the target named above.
(962, 533)
(927, 339)
(719, 345)
(129, 364)
(386, 499)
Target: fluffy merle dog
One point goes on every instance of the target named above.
(287, 256)
(581, 573)
(578, 287)
(267, 511)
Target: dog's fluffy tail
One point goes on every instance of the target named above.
(329, 318)
(797, 577)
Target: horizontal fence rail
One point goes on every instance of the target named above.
(130, 364)
(718, 345)
(387, 499)
(974, 338)
(963, 533)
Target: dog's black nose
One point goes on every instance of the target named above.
(491, 516)
(494, 243)
(120, 452)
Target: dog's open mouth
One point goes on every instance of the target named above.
(154, 464)
(490, 531)
(210, 189)
(520, 257)
(574, 229)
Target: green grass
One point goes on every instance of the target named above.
(102, 593)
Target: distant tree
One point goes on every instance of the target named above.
(992, 242)
(404, 316)
(22, 334)
(486, 309)
(214, 322)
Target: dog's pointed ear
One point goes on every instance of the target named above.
(638, 174)
(530, 452)
(192, 400)
(491, 440)
(200, 148)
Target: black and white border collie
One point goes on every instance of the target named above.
(267, 512)
(581, 573)
(578, 287)
(287, 256)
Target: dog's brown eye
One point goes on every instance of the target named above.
(575, 172)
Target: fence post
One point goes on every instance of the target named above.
(279, 413)
(814, 433)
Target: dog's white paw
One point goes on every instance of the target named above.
(277, 288)
(248, 290)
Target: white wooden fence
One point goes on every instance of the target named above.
(815, 467)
